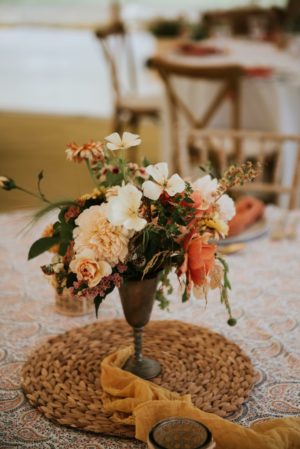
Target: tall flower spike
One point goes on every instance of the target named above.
(128, 140)
(161, 183)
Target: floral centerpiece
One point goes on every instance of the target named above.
(136, 227)
(137, 223)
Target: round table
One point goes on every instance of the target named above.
(265, 299)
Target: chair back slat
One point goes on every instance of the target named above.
(117, 48)
(269, 149)
(176, 102)
(228, 76)
(279, 163)
(296, 181)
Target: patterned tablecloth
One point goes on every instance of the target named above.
(265, 299)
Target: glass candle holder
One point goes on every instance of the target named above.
(180, 433)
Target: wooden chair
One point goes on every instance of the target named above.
(271, 150)
(130, 108)
(292, 11)
(228, 77)
(238, 19)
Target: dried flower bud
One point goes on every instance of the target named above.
(237, 175)
(231, 322)
(7, 183)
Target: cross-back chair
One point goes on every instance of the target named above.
(278, 155)
(238, 19)
(228, 76)
(129, 107)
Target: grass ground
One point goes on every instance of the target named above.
(30, 143)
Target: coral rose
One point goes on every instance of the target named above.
(200, 258)
(88, 269)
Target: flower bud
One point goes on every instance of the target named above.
(231, 322)
(7, 183)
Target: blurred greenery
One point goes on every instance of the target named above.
(166, 28)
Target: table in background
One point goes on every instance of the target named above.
(268, 103)
(265, 299)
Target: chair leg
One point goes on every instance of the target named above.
(134, 124)
(117, 123)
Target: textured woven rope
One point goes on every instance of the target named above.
(62, 377)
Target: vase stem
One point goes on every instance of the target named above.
(138, 342)
(137, 299)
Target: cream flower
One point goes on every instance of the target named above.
(160, 173)
(128, 140)
(226, 207)
(88, 269)
(206, 186)
(123, 209)
(95, 232)
(112, 191)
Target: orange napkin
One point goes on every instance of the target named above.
(131, 400)
(248, 211)
(124, 391)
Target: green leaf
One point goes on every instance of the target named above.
(185, 296)
(52, 206)
(186, 199)
(71, 278)
(42, 245)
(63, 248)
(56, 227)
(97, 301)
(145, 162)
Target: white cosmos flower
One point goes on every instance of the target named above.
(226, 207)
(206, 186)
(123, 209)
(115, 142)
(160, 173)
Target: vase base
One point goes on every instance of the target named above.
(146, 368)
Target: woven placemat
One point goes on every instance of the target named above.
(62, 377)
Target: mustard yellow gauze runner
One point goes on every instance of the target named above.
(134, 401)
